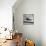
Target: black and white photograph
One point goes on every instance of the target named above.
(28, 19)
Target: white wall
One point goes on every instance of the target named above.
(6, 13)
(30, 31)
(43, 22)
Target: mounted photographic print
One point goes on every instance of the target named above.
(28, 19)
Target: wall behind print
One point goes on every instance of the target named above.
(29, 31)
